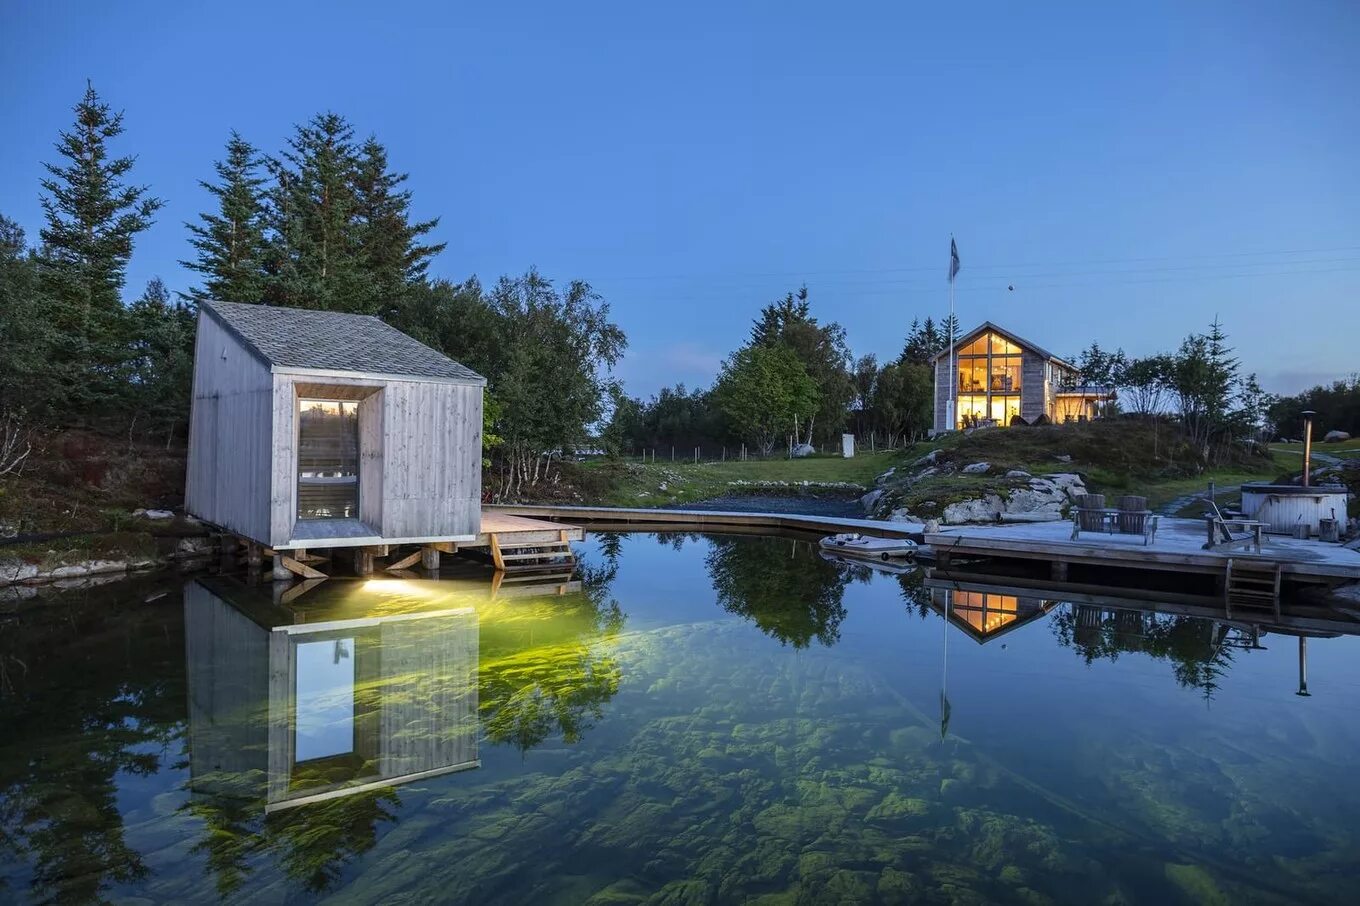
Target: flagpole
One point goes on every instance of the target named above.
(953, 367)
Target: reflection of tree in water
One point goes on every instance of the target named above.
(915, 593)
(547, 665)
(313, 842)
(94, 689)
(781, 585)
(1194, 646)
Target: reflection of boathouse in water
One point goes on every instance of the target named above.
(296, 712)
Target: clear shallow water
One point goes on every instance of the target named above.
(703, 719)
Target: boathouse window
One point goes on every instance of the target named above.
(328, 459)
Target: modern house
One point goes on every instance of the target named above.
(329, 430)
(1002, 379)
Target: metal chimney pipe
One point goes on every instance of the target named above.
(1308, 446)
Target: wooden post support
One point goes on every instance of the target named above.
(429, 558)
(254, 556)
(363, 562)
(281, 572)
(409, 560)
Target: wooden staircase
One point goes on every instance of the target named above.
(532, 556)
(1252, 585)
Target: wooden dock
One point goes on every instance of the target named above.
(514, 543)
(604, 518)
(1178, 547)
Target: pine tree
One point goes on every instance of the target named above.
(231, 242)
(25, 331)
(92, 216)
(162, 360)
(315, 259)
(391, 252)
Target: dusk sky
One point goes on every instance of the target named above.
(1131, 172)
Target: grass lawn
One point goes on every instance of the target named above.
(1347, 449)
(638, 484)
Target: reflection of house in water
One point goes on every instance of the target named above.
(986, 615)
(296, 712)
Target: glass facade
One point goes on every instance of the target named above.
(990, 373)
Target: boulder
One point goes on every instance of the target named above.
(154, 514)
(977, 468)
(986, 509)
(1017, 473)
(194, 547)
(871, 499)
(1063, 457)
(928, 460)
(801, 450)
(16, 571)
(1334, 437)
(901, 515)
(885, 476)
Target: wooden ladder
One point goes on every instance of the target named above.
(1252, 585)
(526, 556)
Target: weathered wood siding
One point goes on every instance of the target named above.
(371, 422)
(230, 434)
(432, 459)
(227, 662)
(420, 454)
(1033, 388)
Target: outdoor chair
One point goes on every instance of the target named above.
(1230, 534)
(1090, 515)
(1134, 518)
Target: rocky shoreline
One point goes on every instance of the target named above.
(929, 490)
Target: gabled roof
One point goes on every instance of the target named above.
(971, 335)
(334, 341)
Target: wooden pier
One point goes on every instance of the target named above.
(513, 543)
(1178, 548)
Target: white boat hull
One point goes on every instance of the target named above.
(871, 548)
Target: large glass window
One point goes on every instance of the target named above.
(328, 459)
(990, 374)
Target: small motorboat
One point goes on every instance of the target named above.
(857, 545)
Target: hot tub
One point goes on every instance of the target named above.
(1283, 506)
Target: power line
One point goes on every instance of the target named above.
(938, 268)
(1000, 283)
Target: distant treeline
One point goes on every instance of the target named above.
(326, 223)
(323, 224)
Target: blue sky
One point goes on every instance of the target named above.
(1132, 171)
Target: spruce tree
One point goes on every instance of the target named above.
(315, 260)
(25, 328)
(92, 216)
(162, 361)
(231, 243)
(391, 250)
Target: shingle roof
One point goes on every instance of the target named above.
(334, 341)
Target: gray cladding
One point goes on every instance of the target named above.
(334, 341)
(419, 433)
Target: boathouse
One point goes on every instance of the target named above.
(1001, 379)
(316, 429)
